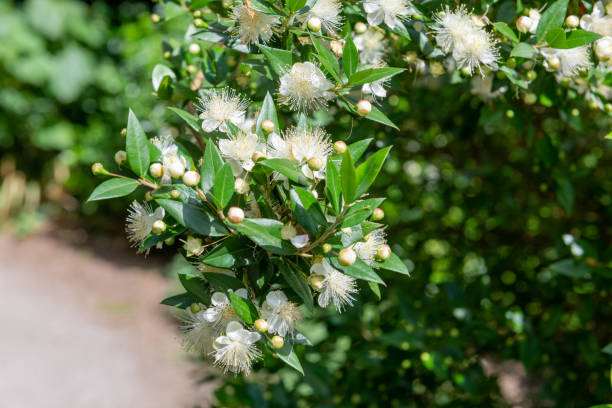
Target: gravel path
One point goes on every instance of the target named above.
(78, 331)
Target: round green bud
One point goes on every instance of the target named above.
(158, 227)
(378, 214)
(261, 325)
(511, 63)
(509, 113)
(530, 98)
(340, 147)
(326, 248)
(277, 342)
(120, 157)
(155, 18)
(531, 75)
(195, 308)
(98, 169)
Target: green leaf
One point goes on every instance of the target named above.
(359, 270)
(223, 187)
(182, 301)
(555, 37)
(358, 148)
(523, 50)
(193, 216)
(280, 60)
(268, 112)
(307, 210)
(297, 282)
(565, 194)
(222, 282)
(265, 233)
(287, 168)
(348, 178)
(375, 289)
(551, 18)
(576, 38)
(332, 185)
(196, 287)
(173, 10)
(230, 253)
(570, 268)
(394, 264)
(377, 116)
(287, 354)
(244, 308)
(360, 211)
(366, 173)
(327, 59)
(136, 146)
(350, 56)
(154, 239)
(607, 349)
(191, 120)
(295, 5)
(159, 73)
(113, 188)
(211, 164)
(368, 75)
(506, 31)
(198, 4)
(514, 77)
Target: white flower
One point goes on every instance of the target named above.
(197, 331)
(254, 27)
(328, 11)
(239, 150)
(281, 314)
(371, 46)
(218, 106)
(573, 60)
(236, 351)
(471, 46)
(389, 11)
(299, 145)
(597, 21)
(300, 241)
(193, 246)
(366, 249)
(305, 87)
(140, 221)
(169, 155)
(221, 311)
(336, 286)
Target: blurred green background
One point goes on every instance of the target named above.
(500, 309)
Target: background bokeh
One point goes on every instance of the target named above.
(499, 310)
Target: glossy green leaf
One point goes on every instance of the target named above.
(332, 185)
(223, 186)
(285, 167)
(377, 116)
(265, 233)
(295, 5)
(279, 60)
(211, 164)
(230, 253)
(196, 287)
(360, 211)
(307, 210)
(136, 146)
(375, 289)
(287, 354)
(523, 50)
(327, 59)
(297, 282)
(348, 178)
(244, 308)
(506, 31)
(350, 56)
(191, 120)
(181, 301)
(366, 173)
(159, 73)
(514, 77)
(222, 282)
(358, 148)
(552, 17)
(368, 75)
(358, 270)
(394, 264)
(115, 187)
(154, 239)
(193, 216)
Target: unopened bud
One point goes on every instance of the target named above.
(531, 75)
(530, 98)
(120, 157)
(124, 132)
(572, 21)
(316, 282)
(198, 22)
(315, 163)
(364, 107)
(148, 196)
(194, 48)
(277, 342)
(511, 63)
(175, 194)
(383, 253)
(169, 241)
(235, 215)
(509, 113)
(523, 24)
(192, 69)
(326, 248)
(261, 325)
(167, 54)
(197, 13)
(347, 257)
(191, 178)
(155, 18)
(257, 156)
(465, 71)
(98, 169)
(176, 169)
(241, 186)
(378, 214)
(267, 126)
(603, 48)
(314, 24)
(360, 27)
(553, 62)
(156, 170)
(158, 227)
(340, 147)
(195, 308)
(575, 112)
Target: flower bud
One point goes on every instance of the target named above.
(167, 54)
(523, 24)
(194, 48)
(261, 325)
(169, 241)
(277, 342)
(314, 24)
(195, 308)
(156, 170)
(98, 169)
(572, 21)
(315, 163)
(198, 22)
(158, 227)
(120, 157)
(603, 48)
(326, 248)
(378, 214)
(155, 18)
(316, 282)
(288, 231)
(235, 215)
(553, 62)
(257, 156)
(124, 132)
(530, 98)
(347, 257)
(175, 194)
(575, 112)
(267, 126)
(383, 253)
(511, 63)
(364, 107)
(192, 69)
(241, 186)
(177, 169)
(191, 178)
(509, 113)
(314, 193)
(197, 13)
(340, 147)
(531, 75)
(465, 71)
(360, 27)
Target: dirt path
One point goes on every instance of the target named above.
(78, 331)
